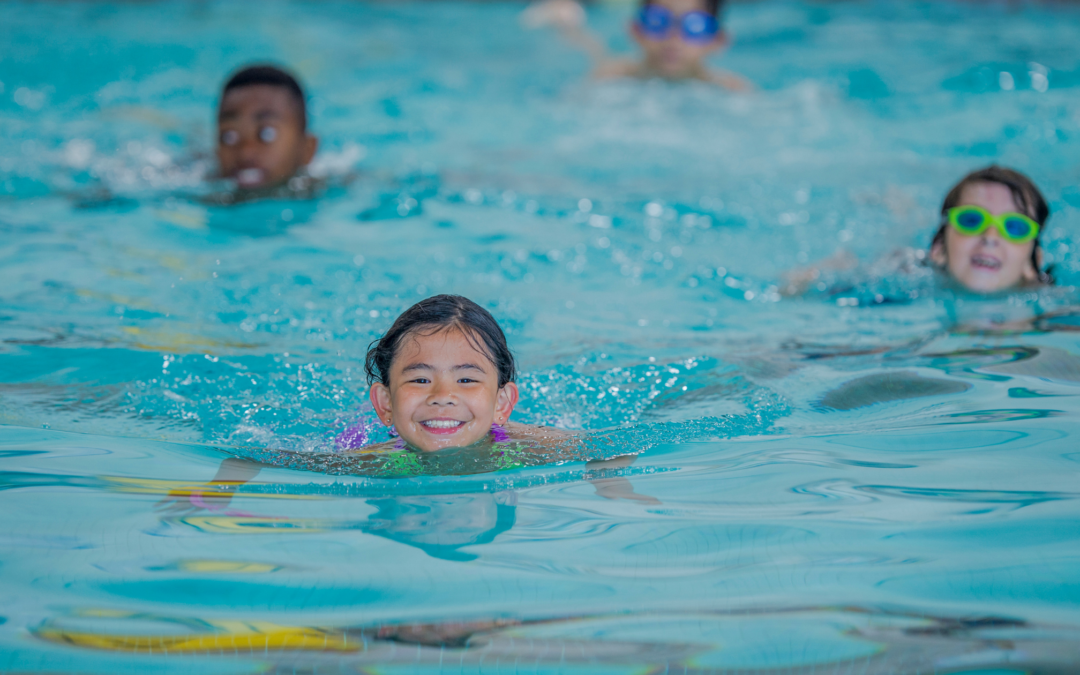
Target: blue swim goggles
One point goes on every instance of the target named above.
(656, 22)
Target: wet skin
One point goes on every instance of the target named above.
(443, 391)
(674, 57)
(986, 262)
(261, 143)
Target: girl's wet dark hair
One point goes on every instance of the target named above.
(437, 314)
(1024, 193)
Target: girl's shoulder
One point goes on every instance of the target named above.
(516, 431)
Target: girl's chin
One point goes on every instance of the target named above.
(429, 442)
(983, 283)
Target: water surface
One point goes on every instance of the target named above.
(878, 477)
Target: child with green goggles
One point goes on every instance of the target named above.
(989, 259)
(988, 240)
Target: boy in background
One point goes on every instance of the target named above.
(263, 140)
(675, 36)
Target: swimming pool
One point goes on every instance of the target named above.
(880, 477)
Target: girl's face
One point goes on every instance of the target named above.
(985, 262)
(443, 393)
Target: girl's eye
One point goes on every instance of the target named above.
(268, 134)
(230, 137)
(420, 380)
(465, 380)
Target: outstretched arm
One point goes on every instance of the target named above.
(569, 18)
(556, 442)
(730, 81)
(216, 494)
(617, 487)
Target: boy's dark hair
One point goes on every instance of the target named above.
(714, 7)
(273, 76)
(437, 314)
(1024, 193)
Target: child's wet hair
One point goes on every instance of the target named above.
(713, 7)
(1024, 192)
(269, 75)
(434, 315)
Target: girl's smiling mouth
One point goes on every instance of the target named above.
(442, 426)
(986, 262)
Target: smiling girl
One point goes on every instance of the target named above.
(443, 377)
(988, 240)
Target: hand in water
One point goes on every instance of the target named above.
(450, 634)
(618, 487)
(563, 14)
(212, 496)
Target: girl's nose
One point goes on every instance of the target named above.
(441, 394)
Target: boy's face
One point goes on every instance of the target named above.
(986, 262)
(260, 141)
(673, 56)
(443, 392)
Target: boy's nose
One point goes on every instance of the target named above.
(249, 150)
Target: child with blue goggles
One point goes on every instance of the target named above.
(675, 37)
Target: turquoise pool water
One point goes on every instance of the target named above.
(878, 477)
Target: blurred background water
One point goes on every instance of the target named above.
(880, 473)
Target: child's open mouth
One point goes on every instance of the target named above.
(442, 426)
(985, 262)
(249, 177)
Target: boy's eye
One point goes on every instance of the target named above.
(465, 380)
(268, 134)
(420, 380)
(230, 137)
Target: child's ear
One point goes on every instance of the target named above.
(505, 401)
(937, 253)
(380, 399)
(311, 145)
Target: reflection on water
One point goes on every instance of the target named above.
(441, 525)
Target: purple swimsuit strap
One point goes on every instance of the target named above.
(498, 433)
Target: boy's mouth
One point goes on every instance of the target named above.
(442, 426)
(985, 262)
(250, 177)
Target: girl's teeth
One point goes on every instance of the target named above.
(442, 424)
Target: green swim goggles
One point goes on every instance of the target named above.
(1015, 228)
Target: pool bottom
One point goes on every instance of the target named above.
(793, 641)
